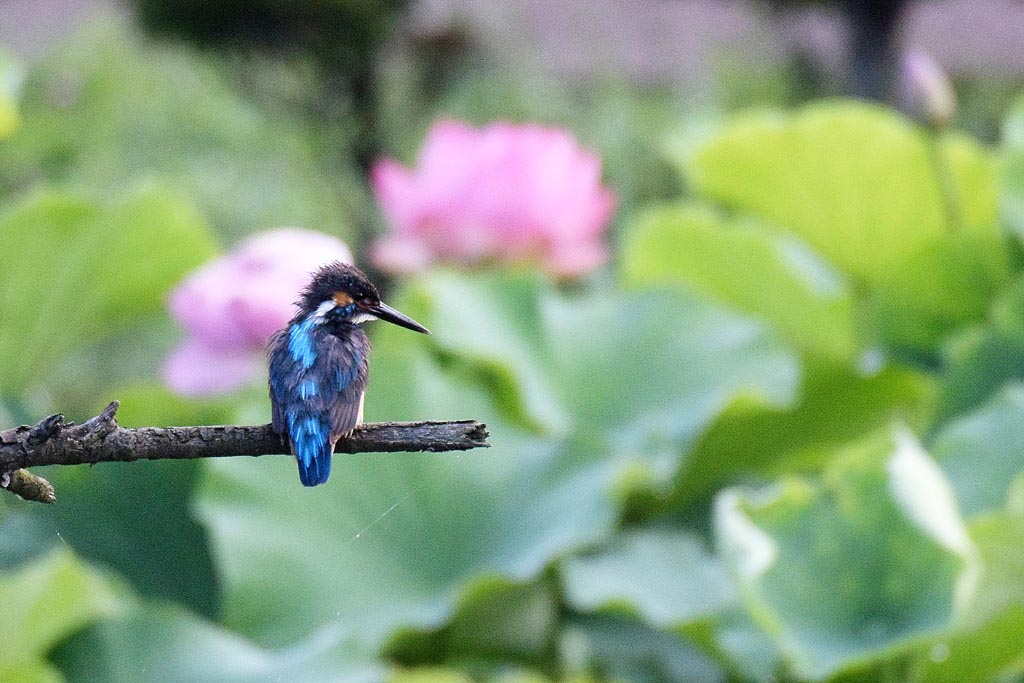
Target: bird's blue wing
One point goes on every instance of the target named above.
(316, 390)
(298, 409)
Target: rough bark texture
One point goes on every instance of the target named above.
(55, 442)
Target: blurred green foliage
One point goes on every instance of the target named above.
(85, 269)
(108, 108)
(389, 527)
(872, 558)
(909, 221)
(139, 644)
(748, 267)
(45, 602)
(779, 439)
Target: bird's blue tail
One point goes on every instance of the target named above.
(312, 446)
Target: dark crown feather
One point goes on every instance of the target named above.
(337, 277)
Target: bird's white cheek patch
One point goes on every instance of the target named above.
(363, 318)
(324, 308)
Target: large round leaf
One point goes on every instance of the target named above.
(992, 653)
(496, 622)
(87, 269)
(635, 368)
(628, 650)
(134, 518)
(983, 358)
(911, 220)
(870, 560)
(983, 452)
(837, 404)
(990, 646)
(669, 581)
(749, 266)
(855, 181)
(44, 602)
(393, 540)
(665, 576)
(131, 518)
(161, 644)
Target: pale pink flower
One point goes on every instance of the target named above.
(230, 307)
(513, 193)
(926, 90)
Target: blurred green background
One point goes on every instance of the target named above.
(778, 437)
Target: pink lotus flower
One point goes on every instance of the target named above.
(925, 89)
(232, 305)
(502, 193)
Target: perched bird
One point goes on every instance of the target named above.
(319, 362)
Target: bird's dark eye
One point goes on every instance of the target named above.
(367, 301)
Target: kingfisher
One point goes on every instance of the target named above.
(319, 365)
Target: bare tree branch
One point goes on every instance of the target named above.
(55, 442)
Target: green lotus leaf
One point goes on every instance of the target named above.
(988, 646)
(992, 653)
(871, 560)
(87, 269)
(423, 529)
(981, 359)
(837, 405)
(43, 603)
(665, 576)
(748, 266)
(910, 220)
(163, 644)
(622, 365)
(620, 649)
(134, 518)
(982, 452)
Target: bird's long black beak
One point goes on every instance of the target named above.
(385, 312)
